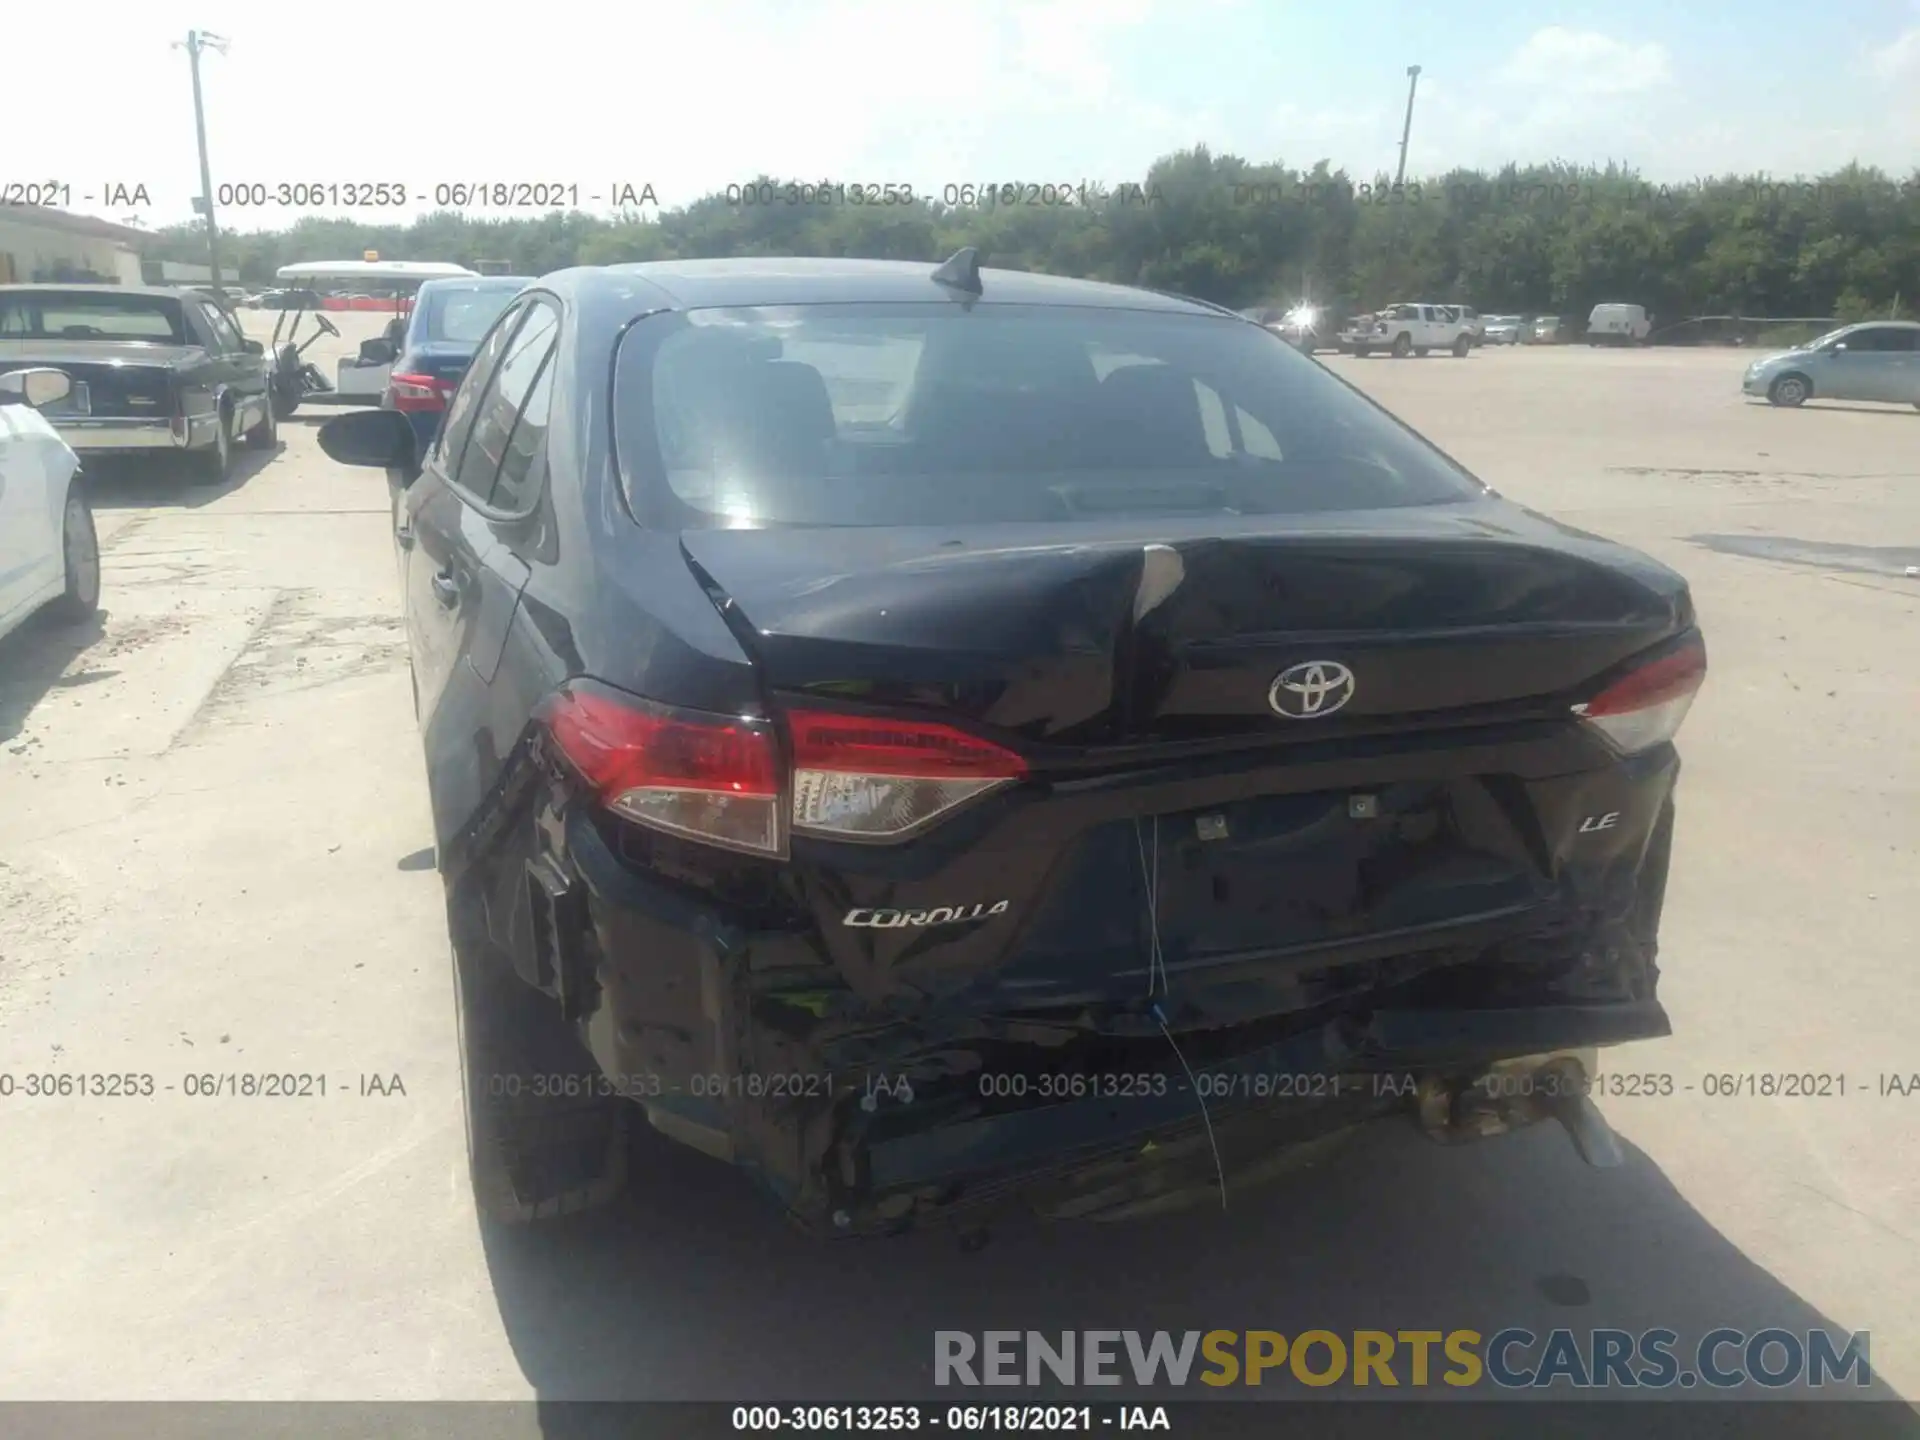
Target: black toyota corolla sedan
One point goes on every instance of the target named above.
(941, 736)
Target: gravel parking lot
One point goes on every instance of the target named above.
(213, 861)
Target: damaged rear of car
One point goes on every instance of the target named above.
(936, 740)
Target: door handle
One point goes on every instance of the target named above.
(403, 533)
(445, 589)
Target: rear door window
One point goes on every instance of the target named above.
(523, 468)
(465, 403)
(225, 335)
(490, 448)
(1882, 338)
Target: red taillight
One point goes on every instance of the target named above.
(1644, 707)
(710, 777)
(858, 777)
(718, 778)
(412, 391)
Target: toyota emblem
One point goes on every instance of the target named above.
(1310, 689)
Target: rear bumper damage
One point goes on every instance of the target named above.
(865, 1119)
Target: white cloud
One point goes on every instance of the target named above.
(1585, 62)
(1900, 59)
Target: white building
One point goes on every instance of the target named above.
(38, 244)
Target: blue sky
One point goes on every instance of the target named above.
(688, 95)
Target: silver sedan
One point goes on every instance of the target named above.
(1875, 360)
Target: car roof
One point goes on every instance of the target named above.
(797, 280)
(372, 270)
(1893, 324)
(477, 282)
(165, 291)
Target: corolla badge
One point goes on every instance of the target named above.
(939, 915)
(1310, 689)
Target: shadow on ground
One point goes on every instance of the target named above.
(34, 659)
(1892, 408)
(695, 1289)
(165, 482)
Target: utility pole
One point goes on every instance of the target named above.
(1413, 83)
(196, 41)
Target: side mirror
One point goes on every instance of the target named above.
(377, 352)
(37, 388)
(379, 439)
(253, 347)
(1839, 347)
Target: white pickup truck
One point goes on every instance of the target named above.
(1412, 328)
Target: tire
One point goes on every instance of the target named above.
(214, 465)
(283, 390)
(1790, 390)
(531, 1158)
(1402, 345)
(80, 551)
(266, 435)
(1362, 351)
(1420, 352)
(1461, 347)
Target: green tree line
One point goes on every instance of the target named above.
(1534, 239)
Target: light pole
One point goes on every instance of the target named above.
(196, 41)
(1413, 83)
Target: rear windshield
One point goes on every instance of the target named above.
(58, 315)
(939, 414)
(461, 316)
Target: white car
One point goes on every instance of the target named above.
(49, 553)
(1619, 325)
(1414, 328)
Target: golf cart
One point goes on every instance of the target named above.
(361, 378)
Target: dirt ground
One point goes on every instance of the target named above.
(214, 860)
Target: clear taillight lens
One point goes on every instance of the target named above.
(1644, 707)
(862, 778)
(708, 777)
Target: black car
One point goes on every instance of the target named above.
(155, 371)
(935, 736)
(436, 340)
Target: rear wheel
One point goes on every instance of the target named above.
(80, 550)
(1362, 351)
(1790, 391)
(266, 435)
(1420, 351)
(214, 464)
(284, 387)
(534, 1151)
